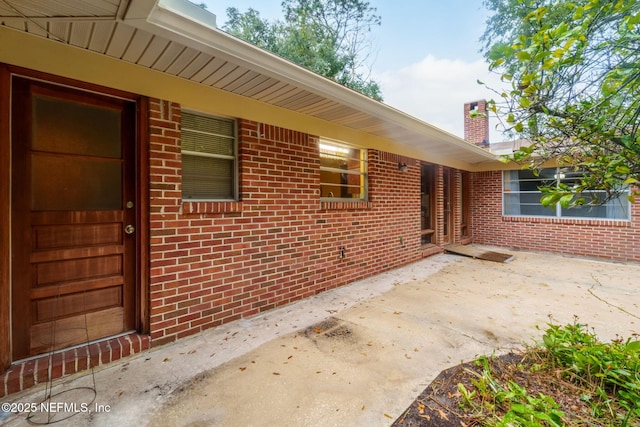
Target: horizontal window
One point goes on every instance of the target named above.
(343, 172)
(208, 158)
(521, 196)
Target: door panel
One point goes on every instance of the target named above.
(73, 266)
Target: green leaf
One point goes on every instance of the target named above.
(578, 13)
(565, 200)
(548, 64)
(547, 200)
(623, 169)
(519, 408)
(633, 345)
(497, 63)
(622, 372)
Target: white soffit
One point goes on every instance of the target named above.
(179, 38)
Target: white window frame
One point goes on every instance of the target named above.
(612, 207)
(328, 147)
(233, 157)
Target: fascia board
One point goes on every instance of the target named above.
(175, 20)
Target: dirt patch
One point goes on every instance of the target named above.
(441, 403)
(329, 330)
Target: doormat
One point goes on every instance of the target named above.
(474, 252)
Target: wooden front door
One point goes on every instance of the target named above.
(72, 218)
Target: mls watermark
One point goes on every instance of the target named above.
(51, 407)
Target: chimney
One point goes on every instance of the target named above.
(476, 128)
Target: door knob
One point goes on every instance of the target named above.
(129, 229)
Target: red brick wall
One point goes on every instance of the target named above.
(212, 263)
(615, 240)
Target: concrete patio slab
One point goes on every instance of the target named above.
(357, 355)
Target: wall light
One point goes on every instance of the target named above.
(403, 167)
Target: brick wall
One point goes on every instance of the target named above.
(212, 263)
(614, 240)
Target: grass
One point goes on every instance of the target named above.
(570, 379)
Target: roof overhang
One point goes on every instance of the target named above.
(179, 39)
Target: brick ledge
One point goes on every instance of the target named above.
(213, 207)
(570, 221)
(27, 373)
(344, 205)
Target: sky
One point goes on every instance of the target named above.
(426, 52)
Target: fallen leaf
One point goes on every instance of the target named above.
(421, 409)
(242, 368)
(317, 330)
(388, 416)
(166, 359)
(442, 414)
(426, 417)
(289, 357)
(362, 408)
(192, 351)
(276, 373)
(397, 312)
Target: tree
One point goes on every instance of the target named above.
(329, 37)
(573, 67)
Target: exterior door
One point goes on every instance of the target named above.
(428, 204)
(448, 206)
(73, 232)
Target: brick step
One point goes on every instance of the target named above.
(28, 373)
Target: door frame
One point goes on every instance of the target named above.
(141, 165)
(428, 178)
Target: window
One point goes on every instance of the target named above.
(209, 156)
(521, 196)
(343, 172)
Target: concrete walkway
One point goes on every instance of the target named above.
(354, 356)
